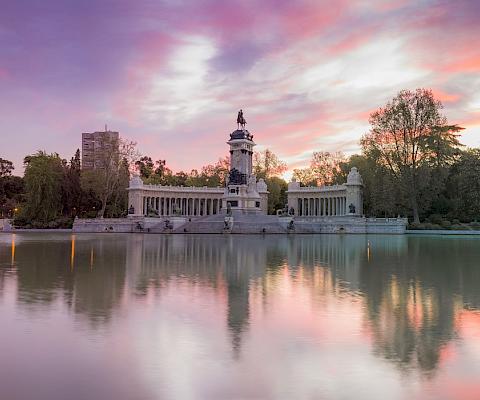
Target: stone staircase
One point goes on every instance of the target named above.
(242, 223)
(257, 224)
(206, 224)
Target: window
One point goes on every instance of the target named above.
(257, 204)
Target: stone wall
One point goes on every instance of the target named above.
(5, 224)
(128, 225)
(350, 225)
(245, 224)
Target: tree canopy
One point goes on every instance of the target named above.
(405, 136)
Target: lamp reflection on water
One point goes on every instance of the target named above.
(91, 259)
(72, 253)
(13, 250)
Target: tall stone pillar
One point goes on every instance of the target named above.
(354, 193)
(242, 191)
(135, 196)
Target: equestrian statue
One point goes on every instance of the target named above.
(241, 122)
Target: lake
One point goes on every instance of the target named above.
(132, 316)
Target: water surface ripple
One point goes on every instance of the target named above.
(134, 316)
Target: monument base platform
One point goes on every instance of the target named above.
(245, 224)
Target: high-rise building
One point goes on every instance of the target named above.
(99, 148)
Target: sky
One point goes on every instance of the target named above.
(171, 75)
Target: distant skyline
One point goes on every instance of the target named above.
(171, 75)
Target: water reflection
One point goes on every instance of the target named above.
(407, 297)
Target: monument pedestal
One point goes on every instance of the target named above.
(243, 194)
(240, 200)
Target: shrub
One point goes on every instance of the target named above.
(415, 226)
(52, 225)
(446, 224)
(38, 225)
(64, 222)
(475, 225)
(430, 226)
(458, 227)
(435, 219)
(20, 221)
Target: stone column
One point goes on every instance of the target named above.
(354, 192)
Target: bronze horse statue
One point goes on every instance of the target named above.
(241, 122)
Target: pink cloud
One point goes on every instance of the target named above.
(445, 97)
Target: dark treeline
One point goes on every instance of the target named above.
(412, 164)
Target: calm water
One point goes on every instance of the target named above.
(239, 317)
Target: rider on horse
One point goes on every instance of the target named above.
(241, 120)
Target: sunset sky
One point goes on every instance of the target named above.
(171, 75)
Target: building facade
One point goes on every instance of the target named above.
(242, 193)
(159, 200)
(240, 207)
(335, 200)
(98, 147)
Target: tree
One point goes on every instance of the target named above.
(43, 180)
(214, 175)
(381, 196)
(464, 186)
(6, 168)
(71, 186)
(145, 167)
(154, 173)
(266, 164)
(402, 138)
(323, 167)
(11, 189)
(442, 145)
(305, 176)
(106, 180)
(277, 197)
